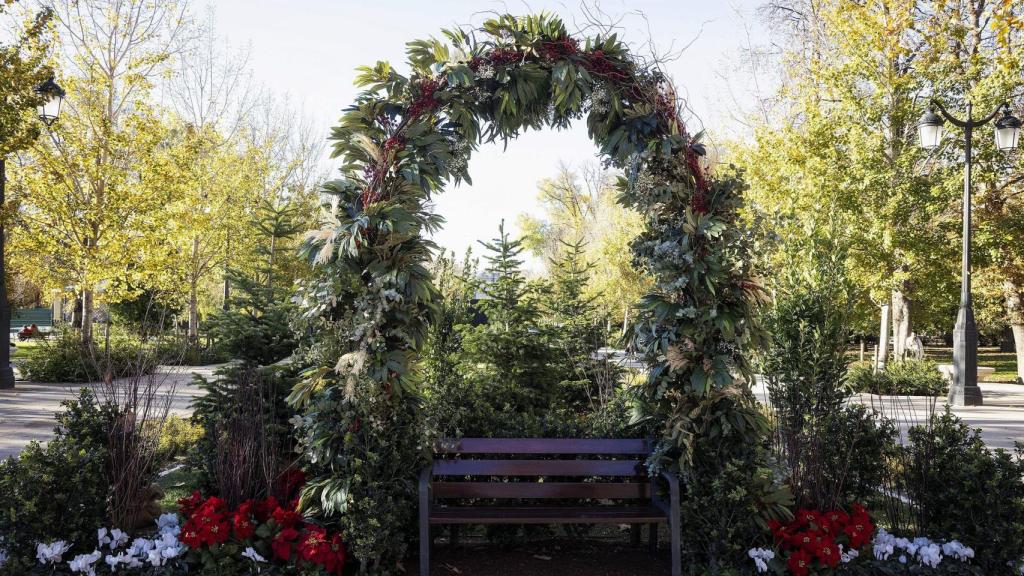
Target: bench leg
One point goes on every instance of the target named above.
(634, 535)
(652, 537)
(454, 540)
(677, 565)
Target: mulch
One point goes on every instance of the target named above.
(546, 558)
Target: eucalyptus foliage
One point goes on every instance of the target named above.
(372, 302)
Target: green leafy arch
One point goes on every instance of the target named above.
(369, 306)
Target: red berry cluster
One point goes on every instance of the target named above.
(561, 48)
(597, 63)
(504, 56)
(425, 101)
(693, 163)
(394, 144)
(813, 539)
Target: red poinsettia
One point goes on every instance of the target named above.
(263, 508)
(189, 505)
(286, 517)
(799, 563)
(283, 543)
(827, 552)
(814, 538)
(243, 521)
(210, 522)
(316, 548)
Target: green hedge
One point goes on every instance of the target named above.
(902, 377)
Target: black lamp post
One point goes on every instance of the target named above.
(49, 110)
(964, 390)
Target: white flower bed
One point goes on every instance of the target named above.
(114, 549)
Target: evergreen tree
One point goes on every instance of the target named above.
(507, 363)
(255, 327)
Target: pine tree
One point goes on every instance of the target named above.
(507, 363)
(507, 291)
(256, 326)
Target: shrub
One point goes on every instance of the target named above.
(178, 351)
(177, 436)
(916, 378)
(60, 490)
(65, 358)
(961, 490)
(245, 446)
(834, 454)
(909, 377)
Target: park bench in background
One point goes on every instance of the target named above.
(475, 473)
(22, 317)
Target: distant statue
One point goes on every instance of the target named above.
(914, 347)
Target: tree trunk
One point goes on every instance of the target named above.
(193, 297)
(193, 313)
(900, 323)
(883, 339)
(87, 310)
(625, 319)
(1015, 312)
(76, 313)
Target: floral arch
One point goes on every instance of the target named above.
(371, 302)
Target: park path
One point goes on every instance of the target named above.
(26, 412)
(1001, 419)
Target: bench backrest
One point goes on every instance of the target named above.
(456, 459)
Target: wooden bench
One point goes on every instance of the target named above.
(481, 469)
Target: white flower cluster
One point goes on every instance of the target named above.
(761, 558)
(155, 552)
(923, 550)
(845, 556)
(51, 553)
(485, 71)
(253, 555)
(600, 100)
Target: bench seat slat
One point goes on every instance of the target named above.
(459, 467)
(541, 490)
(546, 515)
(541, 446)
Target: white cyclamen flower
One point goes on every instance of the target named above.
(930, 555)
(118, 537)
(85, 563)
(167, 522)
(51, 553)
(957, 550)
(102, 537)
(253, 555)
(761, 557)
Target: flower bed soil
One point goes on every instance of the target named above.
(546, 558)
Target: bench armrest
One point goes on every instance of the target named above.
(673, 492)
(425, 475)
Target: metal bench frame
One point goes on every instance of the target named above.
(466, 474)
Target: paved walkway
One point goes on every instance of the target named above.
(26, 412)
(1001, 419)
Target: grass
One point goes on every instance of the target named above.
(1005, 363)
(177, 485)
(26, 349)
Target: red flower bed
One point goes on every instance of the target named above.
(279, 534)
(819, 540)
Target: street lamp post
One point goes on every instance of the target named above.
(964, 390)
(49, 110)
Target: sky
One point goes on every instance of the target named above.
(309, 50)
